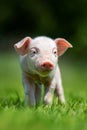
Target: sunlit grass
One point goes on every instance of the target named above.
(13, 114)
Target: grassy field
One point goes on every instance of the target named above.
(13, 114)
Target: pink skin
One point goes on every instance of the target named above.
(39, 63)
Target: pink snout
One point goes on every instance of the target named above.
(47, 65)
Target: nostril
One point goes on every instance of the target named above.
(44, 65)
(51, 66)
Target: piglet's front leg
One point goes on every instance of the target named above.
(59, 87)
(49, 91)
(29, 88)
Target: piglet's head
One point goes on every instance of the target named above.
(43, 52)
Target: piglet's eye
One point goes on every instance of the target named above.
(55, 51)
(33, 51)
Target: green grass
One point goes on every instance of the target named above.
(13, 114)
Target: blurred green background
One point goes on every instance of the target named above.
(53, 18)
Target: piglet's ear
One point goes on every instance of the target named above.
(62, 45)
(22, 46)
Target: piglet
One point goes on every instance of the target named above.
(39, 64)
